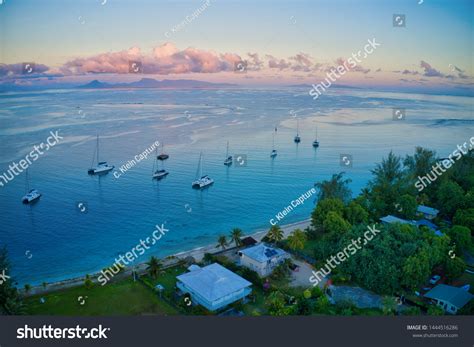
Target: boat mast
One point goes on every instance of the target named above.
(200, 164)
(97, 149)
(273, 141)
(227, 151)
(27, 182)
(297, 126)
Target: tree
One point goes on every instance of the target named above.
(461, 236)
(416, 270)
(88, 282)
(455, 267)
(406, 206)
(421, 162)
(335, 224)
(275, 234)
(465, 218)
(389, 305)
(154, 266)
(236, 237)
(275, 303)
(323, 208)
(27, 288)
(222, 242)
(297, 240)
(354, 213)
(337, 187)
(208, 258)
(10, 300)
(451, 196)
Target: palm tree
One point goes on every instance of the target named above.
(275, 234)
(336, 187)
(27, 288)
(297, 240)
(222, 242)
(236, 236)
(154, 266)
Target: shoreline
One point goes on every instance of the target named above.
(168, 261)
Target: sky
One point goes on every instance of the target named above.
(280, 42)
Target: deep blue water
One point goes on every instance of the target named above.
(65, 243)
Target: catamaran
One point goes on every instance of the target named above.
(274, 152)
(316, 142)
(203, 181)
(228, 158)
(163, 155)
(159, 173)
(32, 194)
(102, 166)
(297, 137)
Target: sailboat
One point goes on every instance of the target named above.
(228, 158)
(159, 173)
(297, 137)
(274, 152)
(102, 166)
(203, 181)
(316, 142)
(32, 194)
(163, 155)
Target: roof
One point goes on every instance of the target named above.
(454, 295)
(248, 241)
(427, 210)
(427, 223)
(213, 282)
(262, 253)
(392, 219)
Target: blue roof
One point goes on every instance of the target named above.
(454, 295)
(392, 219)
(213, 282)
(262, 253)
(427, 210)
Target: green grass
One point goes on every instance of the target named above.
(258, 305)
(120, 298)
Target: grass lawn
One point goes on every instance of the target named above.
(258, 305)
(117, 298)
(167, 278)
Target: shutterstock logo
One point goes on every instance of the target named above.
(48, 332)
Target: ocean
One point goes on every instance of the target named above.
(53, 240)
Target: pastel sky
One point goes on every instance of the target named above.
(283, 42)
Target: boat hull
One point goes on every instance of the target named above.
(100, 170)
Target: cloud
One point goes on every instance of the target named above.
(302, 61)
(346, 64)
(255, 62)
(275, 63)
(18, 69)
(429, 71)
(164, 60)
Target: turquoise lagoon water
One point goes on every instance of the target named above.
(52, 240)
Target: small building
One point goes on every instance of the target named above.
(449, 298)
(392, 219)
(213, 286)
(248, 241)
(433, 227)
(262, 258)
(427, 212)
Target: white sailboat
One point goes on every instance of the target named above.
(228, 158)
(102, 166)
(31, 195)
(274, 151)
(297, 137)
(203, 180)
(159, 173)
(316, 142)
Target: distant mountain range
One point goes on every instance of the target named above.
(152, 83)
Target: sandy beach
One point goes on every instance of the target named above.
(171, 260)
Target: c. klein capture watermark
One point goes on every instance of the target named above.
(136, 159)
(293, 204)
(341, 69)
(129, 257)
(189, 19)
(14, 169)
(425, 181)
(353, 247)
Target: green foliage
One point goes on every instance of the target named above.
(276, 304)
(297, 240)
(154, 266)
(389, 305)
(275, 234)
(454, 268)
(88, 282)
(236, 236)
(420, 163)
(222, 242)
(323, 208)
(208, 258)
(465, 218)
(354, 213)
(10, 300)
(412, 311)
(407, 206)
(335, 224)
(461, 236)
(451, 196)
(416, 269)
(336, 188)
(435, 310)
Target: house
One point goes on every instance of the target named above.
(433, 227)
(213, 286)
(262, 258)
(427, 212)
(449, 298)
(392, 219)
